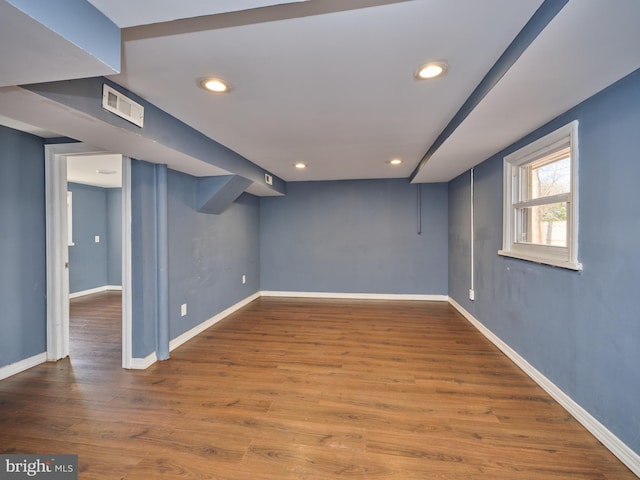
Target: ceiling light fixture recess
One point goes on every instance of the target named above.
(300, 165)
(106, 172)
(431, 70)
(395, 161)
(215, 85)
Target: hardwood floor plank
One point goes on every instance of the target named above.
(299, 389)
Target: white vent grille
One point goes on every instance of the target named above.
(122, 106)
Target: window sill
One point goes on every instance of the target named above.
(576, 266)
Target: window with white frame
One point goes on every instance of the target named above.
(540, 213)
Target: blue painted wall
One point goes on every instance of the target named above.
(208, 254)
(87, 259)
(581, 330)
(114, 236)
(143, 259)
(96, 211)
(22, 247)
(354, 237)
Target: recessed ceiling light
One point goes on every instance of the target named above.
(431, 70)
(395, 161)
(215, 85)
(300, 165)
(106, 172)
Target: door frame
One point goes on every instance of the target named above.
(58, 250)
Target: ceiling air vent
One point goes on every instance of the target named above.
(122, 106)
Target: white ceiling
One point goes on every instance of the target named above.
(130, 13)
(335, 91)
(331, 83)
(103, 170)
(583, 50)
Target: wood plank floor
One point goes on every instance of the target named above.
(300, 389)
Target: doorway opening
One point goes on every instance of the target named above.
(94, 236)
(61, 237)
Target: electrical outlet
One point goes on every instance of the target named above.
(183, 310)
(244, 279)
(268, 179)
(472, 294)
(97, 239)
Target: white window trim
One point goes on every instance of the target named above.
(70, 219)
(548, 255)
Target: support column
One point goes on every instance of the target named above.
(162, 236)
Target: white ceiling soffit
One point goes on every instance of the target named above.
(26, 52)
(98, 170)
(25, 127)
(30, 108)
(336, 91)
(588, 46)
(128, 13)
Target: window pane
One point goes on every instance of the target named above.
(550, 175)
(542, 225)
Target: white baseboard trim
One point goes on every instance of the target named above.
(357, 296)
(189, 334)
(91, 291)
(626, 455)
(22, 365)
(143, 363)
